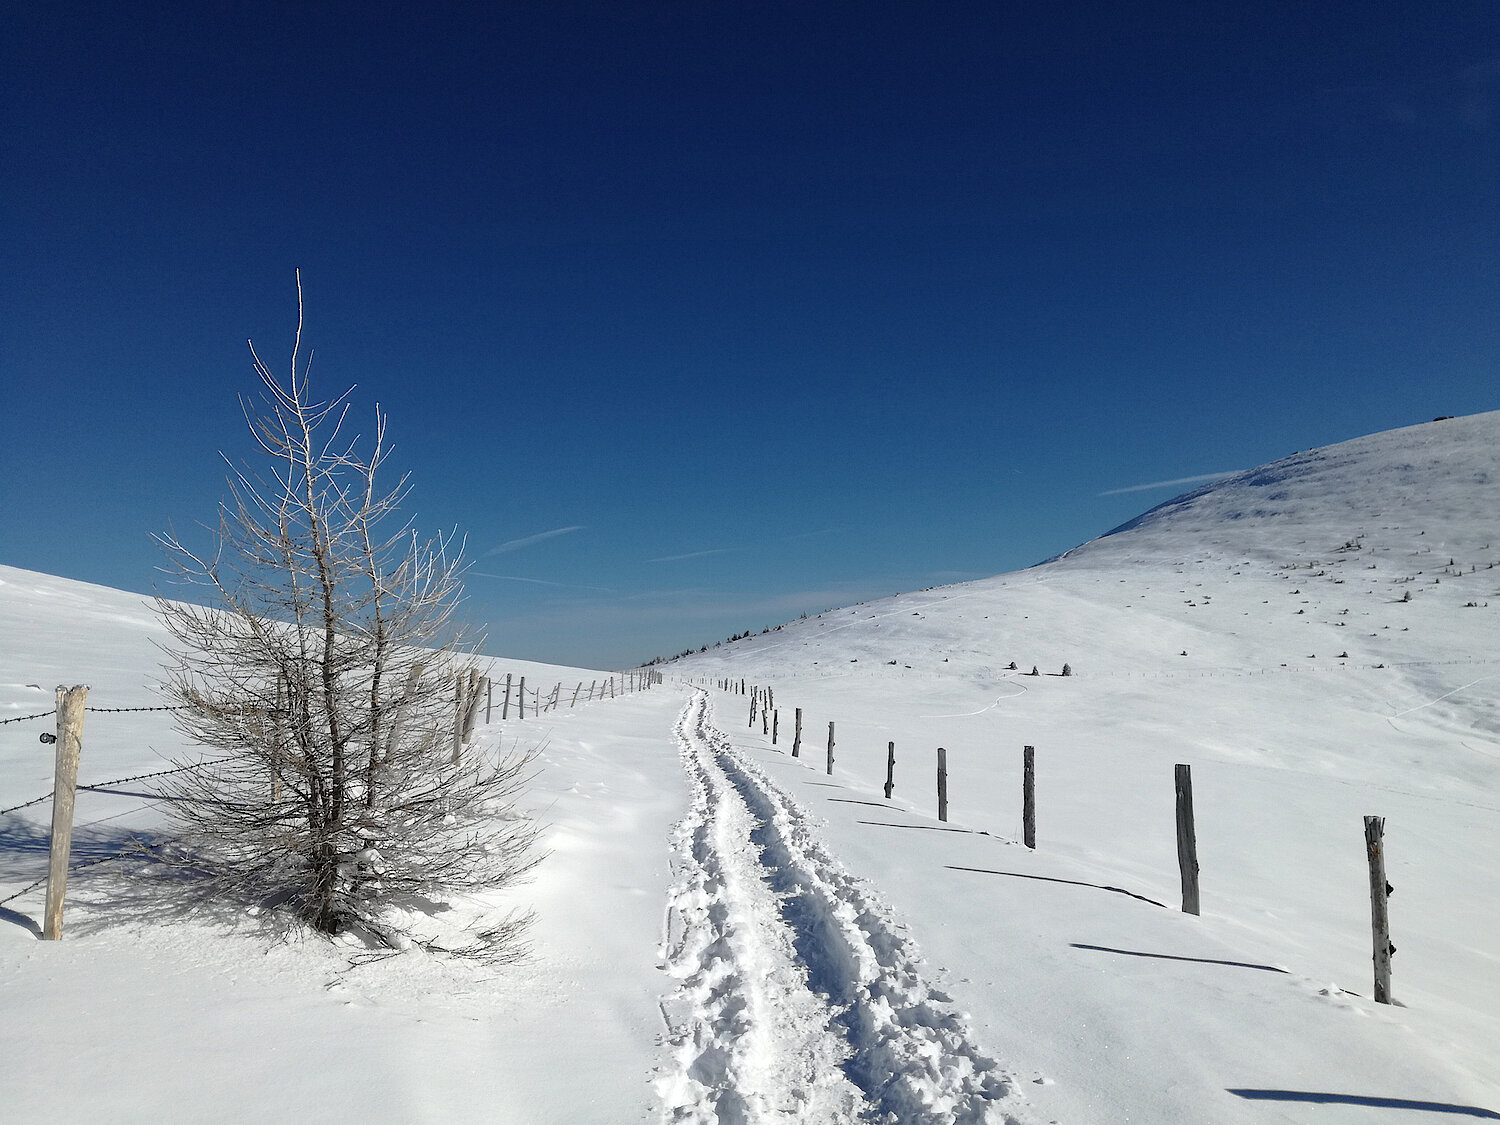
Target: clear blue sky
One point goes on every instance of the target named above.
(775, 306)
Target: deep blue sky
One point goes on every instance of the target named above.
(836, 299)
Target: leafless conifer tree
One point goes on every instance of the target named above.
(324, 671)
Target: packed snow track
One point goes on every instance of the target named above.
(799, 998)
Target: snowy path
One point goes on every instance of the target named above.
(799, 997)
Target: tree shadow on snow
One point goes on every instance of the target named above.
(115, 875)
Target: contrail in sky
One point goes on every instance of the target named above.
(694, 555)
(517, 544)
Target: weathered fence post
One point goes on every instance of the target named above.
(575, 695)
(775, 725)
(392, 742)
(489, 700)
(751, 723)
(1380, 892)
(942, 784)
(64, 789)
(1028, 796)
(1187, 839)
(890, 769)
(460, 709)
(797, 736)
(505, 706)
(471, 705)
(765, 720)
(830, 748)
(283, 705)
(521, 698)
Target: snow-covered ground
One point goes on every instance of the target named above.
(726, 932)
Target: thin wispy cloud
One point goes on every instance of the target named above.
(539, 581)
(695, 555)
(531, 540)
(1199, 479)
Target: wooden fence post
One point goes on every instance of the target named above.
(830, 748)
(489, 700)
(64, 789)
(392, 741)
(751, 723)
(775, 725)
(765, 720)
(278, 735)
(1380, 892)
(797, 737)
(1187, 839)
(942, 784)
(460, 706)
(505, 706)
(890, 769)
(521, 698)
(575, 695)
(1028, 796)
(471, 705)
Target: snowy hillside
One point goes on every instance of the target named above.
(728, 932)
(1259, 630)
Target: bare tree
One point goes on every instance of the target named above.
(327, 669)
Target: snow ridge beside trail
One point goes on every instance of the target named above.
(799, 996)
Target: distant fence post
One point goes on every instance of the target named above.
(753, 700)
(505, 705)
(890, 769)
(1187, 839)
(489, 700)
(521, 698)
(775, 725)
(64, 789)
(1028, 796)
(471, 705)
(460, 708)
(797, 736)
(765, 720)
(942, 780)
(1380, 892)
(830, 748)
(575, 695)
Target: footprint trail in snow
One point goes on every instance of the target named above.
(799, 997)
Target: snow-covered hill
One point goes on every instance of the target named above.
(1319, 638)
(1258, 629)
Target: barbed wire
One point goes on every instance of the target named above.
(23, 718)
(27, 804)
(131, 710)
(72, 867)
(116, 781)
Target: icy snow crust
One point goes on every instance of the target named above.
(726, 932)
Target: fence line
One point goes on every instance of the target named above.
(1186, 836)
